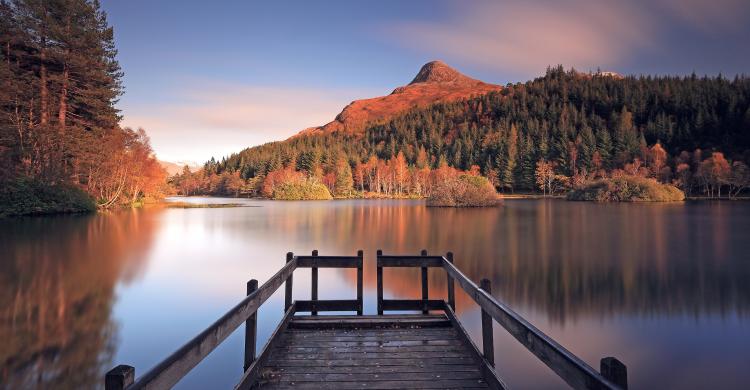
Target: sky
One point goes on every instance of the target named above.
(209, 78)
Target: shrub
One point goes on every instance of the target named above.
(23, 196)
(306, 189)
(463, 191)
(627, 188)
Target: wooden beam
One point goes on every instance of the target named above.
(574, 371)
(119, 377)
(167, 373)
(451, 287)
(425, 282)
(288, 285)
(327, 261)
(615, 371)
(412, 304)
(380, 282)
(360, 282)
(410, 261)
(314, 288)
(327, 305)
(488, 343)
(251, 329)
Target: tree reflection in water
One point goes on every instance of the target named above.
(57, 282)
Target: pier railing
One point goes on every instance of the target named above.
(169, 371)
(573, 370)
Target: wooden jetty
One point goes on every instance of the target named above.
(429, 349)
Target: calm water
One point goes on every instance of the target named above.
(665, 288)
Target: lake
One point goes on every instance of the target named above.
(665, 288)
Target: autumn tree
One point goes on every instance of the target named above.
(545, 176)
(344, 183)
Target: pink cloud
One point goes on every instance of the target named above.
(527, 36)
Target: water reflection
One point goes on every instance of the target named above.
(650, 284)
(57, 278)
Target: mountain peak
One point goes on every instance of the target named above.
(437, 72)
(435, 83)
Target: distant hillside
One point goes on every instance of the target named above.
(174, 168)
(582, 125)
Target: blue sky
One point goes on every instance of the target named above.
(211, 78)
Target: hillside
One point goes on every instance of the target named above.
(436, 82)
(688, 131)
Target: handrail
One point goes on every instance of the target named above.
(574, 371)
(172, 369)
(167, 373)
(565, 364)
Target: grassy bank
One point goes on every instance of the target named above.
(29, 197)
(627, 188)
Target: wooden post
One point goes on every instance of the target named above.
(487, 342)
(314, 292)
(380, 285)
(360, 282)
(614, 371)
(251, 329)
(425, 295)
(288, 285)
(119, 377)
(451, 290)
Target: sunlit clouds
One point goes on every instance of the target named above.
(524, 37)
(208, 119)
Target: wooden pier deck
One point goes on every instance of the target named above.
(372, 352)
(426, 350)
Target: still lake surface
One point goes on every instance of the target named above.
(663, 287)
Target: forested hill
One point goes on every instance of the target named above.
(582, 124)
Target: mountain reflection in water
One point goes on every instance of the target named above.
(648, 283)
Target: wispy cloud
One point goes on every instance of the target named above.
(524, 37)
(216, 119)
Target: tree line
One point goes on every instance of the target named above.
(58, 123)
(550, 134)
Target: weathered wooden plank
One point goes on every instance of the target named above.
(376, 343)
(373, 362)
(323, 322)
(328, 261)
(173, 368)
(333, 355)
(412, 304)
(251, 374)
(327, 305)
(376, 369)
(410, 261)
(428, 384)
(574, 371)
(377, 376)
(416, 347)
(371, 317)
